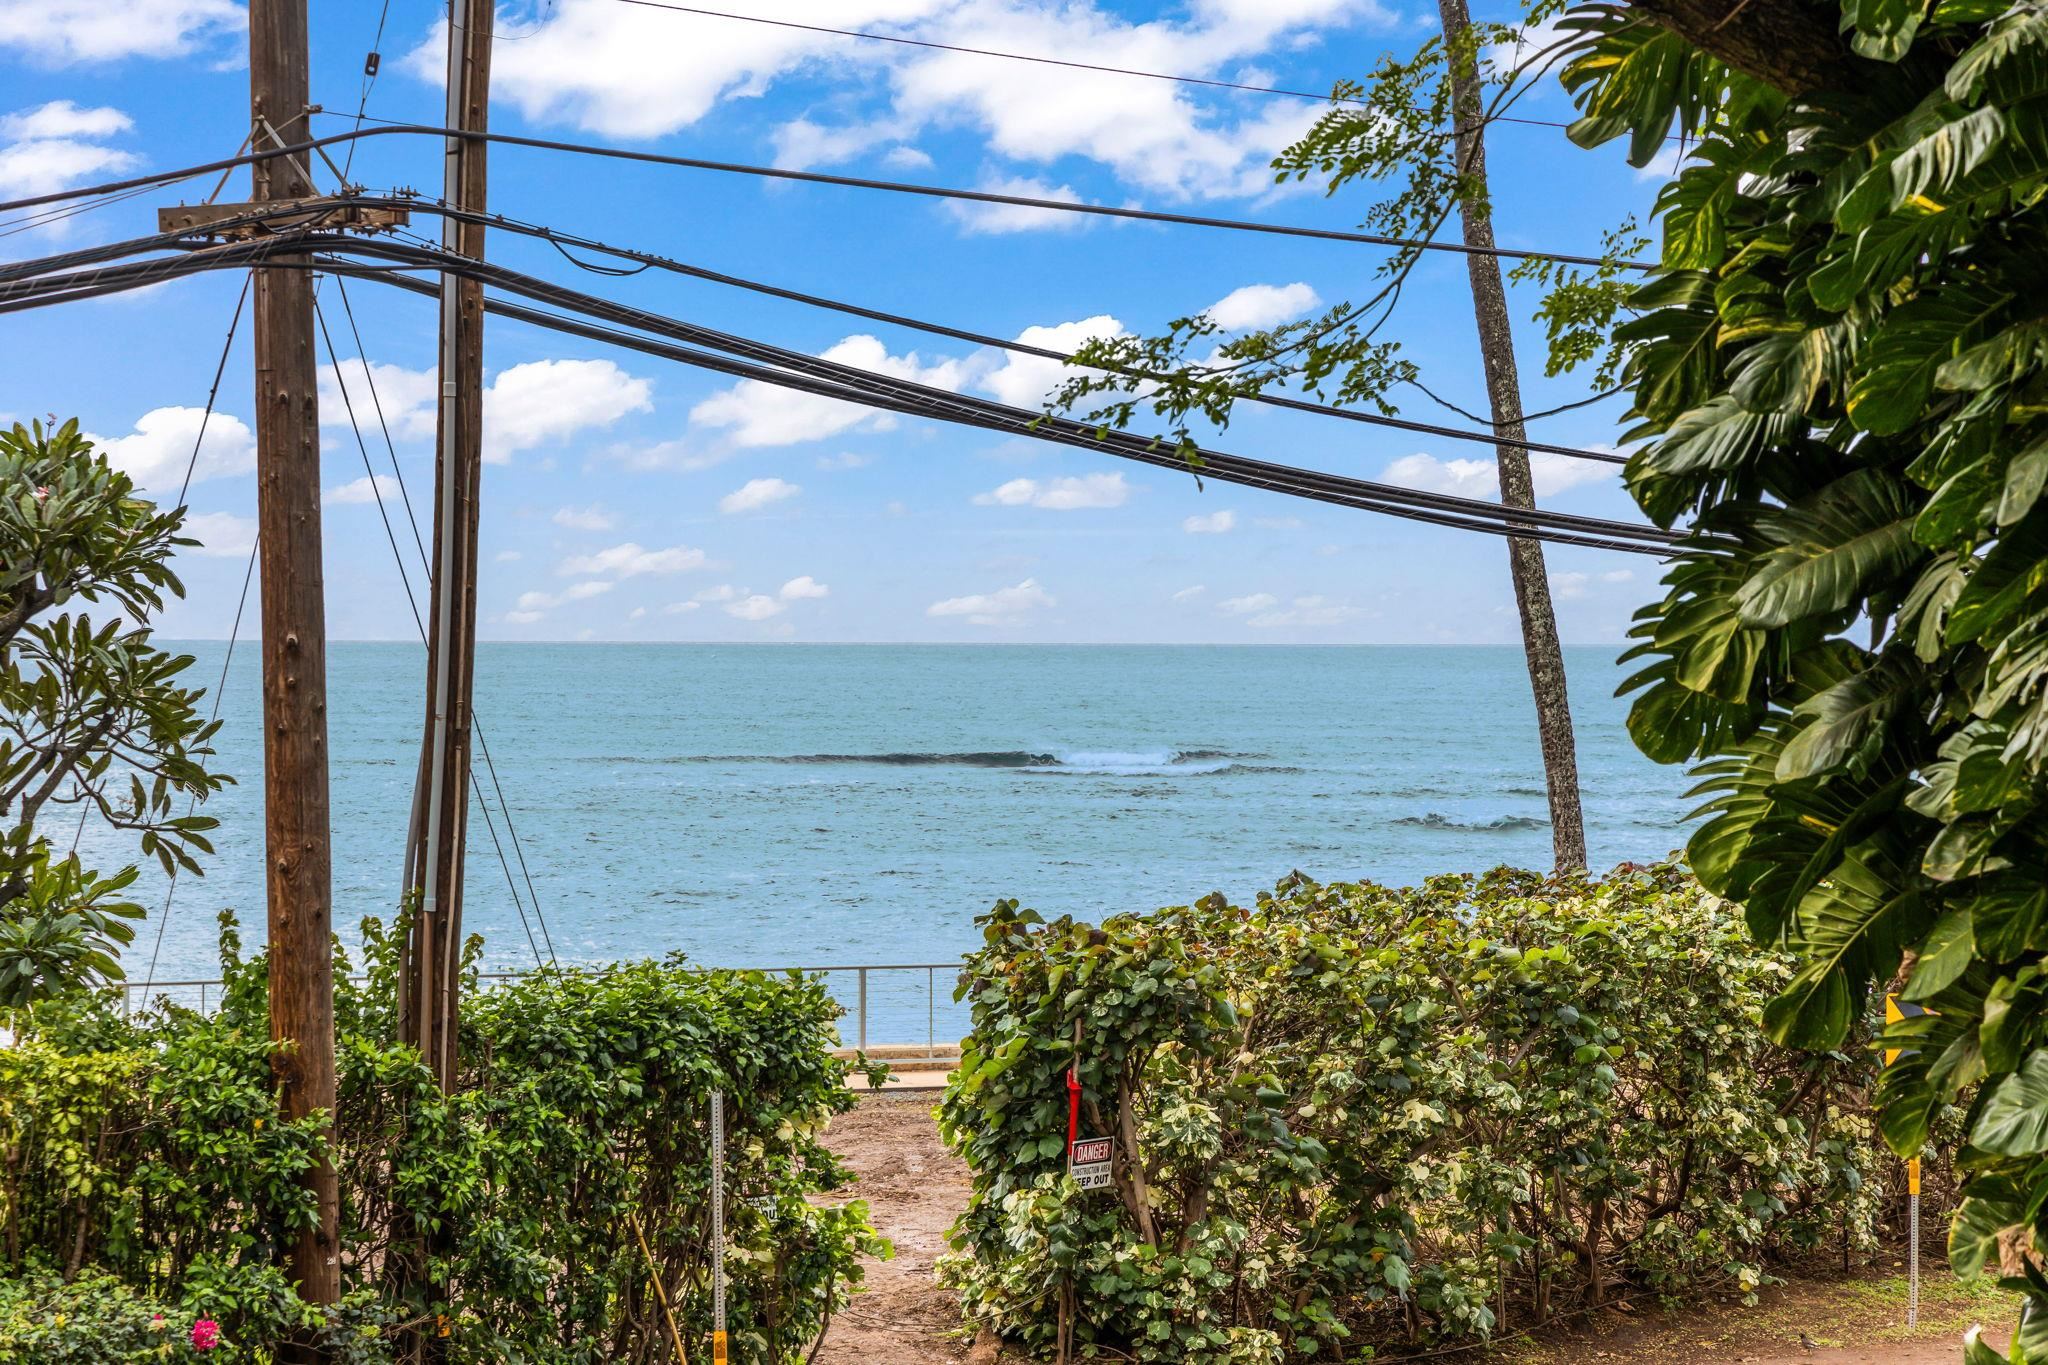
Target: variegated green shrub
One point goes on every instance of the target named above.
(1349, 1114)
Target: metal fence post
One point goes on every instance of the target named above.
(863, 1009)
(931, 1011)
(718, 1349)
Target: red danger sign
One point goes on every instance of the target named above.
(1090, 1151)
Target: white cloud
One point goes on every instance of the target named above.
(1262, 305)
(724, 592)
(369, 488)
(1026, 381)
(759, 414)
(1480, 478)
(906, 158)
(1003, 607)
(591, 518)
(155, 454)
(1246, 605)
(993, 220)
(56, 145)
(507, 557)
(221, 533)
(1618, 576)
(545, 400)
(678, 608)
(1064, 494)
(1569, 584)
(533, 605)
(758, 607)
(1528, 47)
(1211, 524)
(755, 494)
(626, 71)
(62, 118)
(404, 397)
(630, 560)
(1303, 612)
(636, 613)
(1190, 594)
(525, 406)
(802, 587)
(61, 31)
(844, 460)
(1279, 523)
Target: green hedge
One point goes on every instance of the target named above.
(148, 1150)
(1350, 1115)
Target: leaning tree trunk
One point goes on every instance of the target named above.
(1504, 389)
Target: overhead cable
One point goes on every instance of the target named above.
(563, 240)
(905, 41)
(815, 178)
(814, 374)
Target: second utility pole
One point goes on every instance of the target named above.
(434, 858)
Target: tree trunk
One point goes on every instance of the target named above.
(1786, 44)
(1504, 389)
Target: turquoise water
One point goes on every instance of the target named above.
(756, 805)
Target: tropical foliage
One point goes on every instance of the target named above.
(143, 1159)
(1349, 1115)
(94, 718)
(1839, 375)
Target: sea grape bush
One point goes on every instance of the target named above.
(146, 1154)
(1350, 1114)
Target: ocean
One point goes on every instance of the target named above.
(770, 805)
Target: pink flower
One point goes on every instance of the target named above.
(156, 1322)
(42, 493)
(205, 1334)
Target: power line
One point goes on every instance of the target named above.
(815, 374)
(562, 241)
(544, 292)
(814, 178)
(475, 724)
(904, 41)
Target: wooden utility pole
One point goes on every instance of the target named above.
(296, 830)
(1517, 488)
(427, 1016)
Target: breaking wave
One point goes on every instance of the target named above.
(1499, 824)
(1117, 763)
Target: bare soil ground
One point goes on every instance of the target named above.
(916, 1188)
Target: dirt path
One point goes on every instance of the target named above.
(916, 1188)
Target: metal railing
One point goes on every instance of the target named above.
(886, 993)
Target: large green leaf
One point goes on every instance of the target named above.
(2014, 1118)
(2008, 64)
(1848, 717)
(1992, 1204)
(1884, 29)
(1909, 349)
(1831, 548)
(1847, 929)
(1946, 954)
(2001, 582)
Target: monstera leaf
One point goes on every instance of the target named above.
(1832, 547)
(1846, 930)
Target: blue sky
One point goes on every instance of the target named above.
(631, 499)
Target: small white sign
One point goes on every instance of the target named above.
(1089, 1162)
